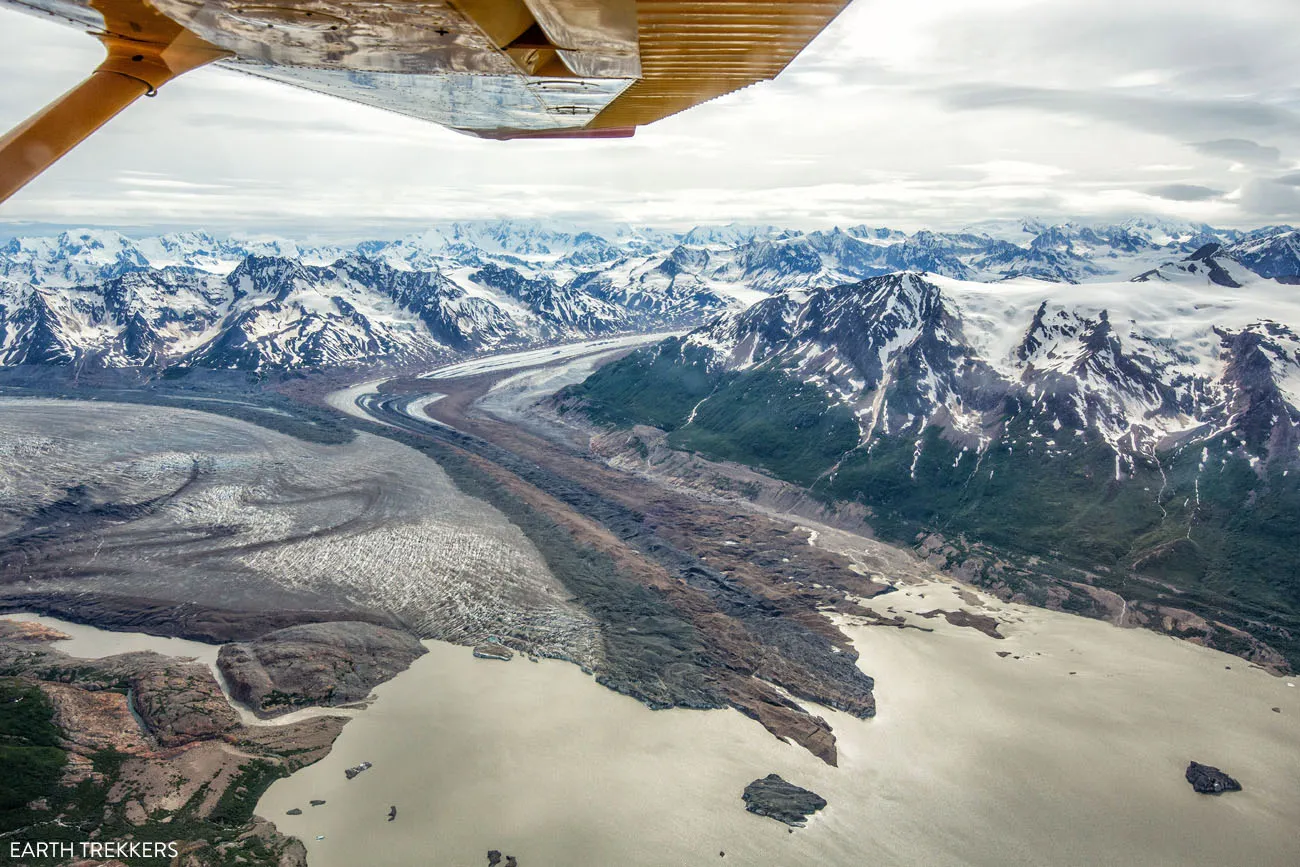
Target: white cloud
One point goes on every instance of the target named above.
(1018, 171)
(1266, 196)
(938, 114)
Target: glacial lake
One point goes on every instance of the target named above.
(89, 642)
(1072, 754)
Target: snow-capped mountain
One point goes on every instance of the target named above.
(1054, 442)
(280, 312)
(1142, 369)
(1270, 253)
(193, 298)
(86, 256)
(1210, 262)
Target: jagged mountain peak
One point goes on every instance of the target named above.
(1262, 369)
(907, 349)
(1210, 261)
(876, 234)
(730, 235)
(1274, 254)
(163, 297)
(851, 337)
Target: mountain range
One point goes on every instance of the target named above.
(1124, 448)
(191, 299)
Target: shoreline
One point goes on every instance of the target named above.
(543, 762)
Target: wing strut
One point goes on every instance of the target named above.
(158, 51)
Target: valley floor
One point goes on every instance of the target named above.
(942, 725)
(1013, 742)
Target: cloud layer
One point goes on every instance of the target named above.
(934, 114)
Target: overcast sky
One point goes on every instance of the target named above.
(930, 113)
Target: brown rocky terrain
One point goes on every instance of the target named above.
(179, 702)
(154, 750)
(979, 566)
(322, 664)
(753, 592)
(28, 631)
(982, 622)
(778, 799)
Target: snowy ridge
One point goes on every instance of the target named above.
(192, 298)
(1144, 368)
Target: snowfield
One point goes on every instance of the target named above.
(1179, 317)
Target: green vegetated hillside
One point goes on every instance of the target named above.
(1205, 529)
(37, 802)
(29, 750)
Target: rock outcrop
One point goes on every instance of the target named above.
(147, 739)
(181, 703)
(775, 798)
(325, 664)
(969, 619)
(29, 631)
(1208, 780)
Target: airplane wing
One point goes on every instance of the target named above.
(493, 68)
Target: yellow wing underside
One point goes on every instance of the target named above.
(538, 64)
(491, 68)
